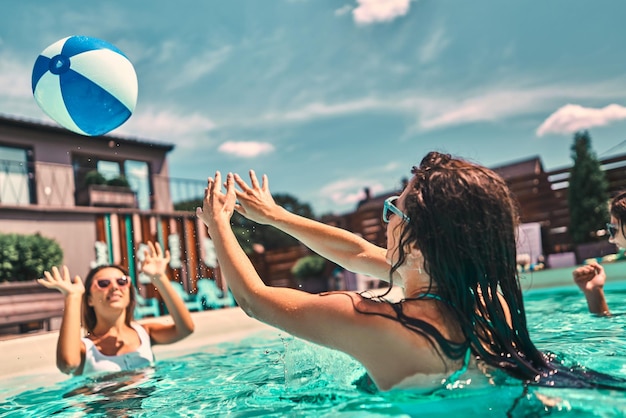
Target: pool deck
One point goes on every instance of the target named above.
(561, 277)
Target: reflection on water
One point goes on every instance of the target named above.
(277, 376)
(116, 394)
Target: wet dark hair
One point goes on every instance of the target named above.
(89, 314)
(617, 208)
(463, 219)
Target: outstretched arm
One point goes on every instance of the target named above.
(154, 266)
(590, 279)
(70, 349)
(326, 320)
(338, 245)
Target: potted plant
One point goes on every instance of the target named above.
(99, 191)
(309, 273)
(119, 181)
(94, 177)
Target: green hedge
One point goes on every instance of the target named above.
(26, 257)
(309, 266)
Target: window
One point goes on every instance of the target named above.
(136, 173)
(109, 169)
(16, 176)
(138, 177)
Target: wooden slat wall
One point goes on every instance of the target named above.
(191, 233)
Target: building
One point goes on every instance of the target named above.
(51, 184)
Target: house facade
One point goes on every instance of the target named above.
(48, 185)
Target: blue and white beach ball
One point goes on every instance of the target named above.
(85, 84)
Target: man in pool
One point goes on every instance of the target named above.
(450, 245)
(591, 278)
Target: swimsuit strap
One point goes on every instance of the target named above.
(455, 376)
(432, 296)
(468, 354)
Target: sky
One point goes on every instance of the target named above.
(329, 97)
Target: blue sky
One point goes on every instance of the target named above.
(329, 97)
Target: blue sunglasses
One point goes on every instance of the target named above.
(611, 229)
(390, 207)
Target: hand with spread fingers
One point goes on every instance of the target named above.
(255, 201)
(155, 262)
(217, 206)
(62, 282)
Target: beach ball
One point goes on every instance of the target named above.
(85, 84)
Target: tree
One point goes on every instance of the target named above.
(249, 232)
(588, 192)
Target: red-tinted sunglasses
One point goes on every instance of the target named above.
(104, 283)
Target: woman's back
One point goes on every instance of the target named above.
(397, 354)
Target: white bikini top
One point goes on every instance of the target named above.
(96, 362)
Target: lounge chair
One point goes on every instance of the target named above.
(192, 302)
(146, 307)
(212, 297)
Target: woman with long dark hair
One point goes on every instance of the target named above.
(451, 245)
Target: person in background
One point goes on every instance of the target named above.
(114, 341)
(590, 278)
(451, 246)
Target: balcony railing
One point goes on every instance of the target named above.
(55, 185)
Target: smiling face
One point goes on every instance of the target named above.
(109, 290)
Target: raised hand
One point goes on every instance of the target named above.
(255, 201)
(589, 277)
(62, 282)
(217, 207)
(155, 262)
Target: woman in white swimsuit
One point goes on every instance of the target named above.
(113, 341)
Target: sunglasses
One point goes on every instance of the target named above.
(104, 283)
(611, 229)
(390, 207)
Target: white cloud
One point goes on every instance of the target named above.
(199, 66)
(15, 78)
(317, 110)
(571, 118)
(442, 109)
(373, 11)
(343, 10)
(244, 149)
(392, 166)
(168, 126)
(434, 46)
(349, 191)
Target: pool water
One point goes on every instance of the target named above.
(274, 375)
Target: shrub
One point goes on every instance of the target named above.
(26, 257)
(94, 177)
(309, 266)
(119, 181)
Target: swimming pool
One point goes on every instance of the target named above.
(268, 373)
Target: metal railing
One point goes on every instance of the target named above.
(57, 185)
